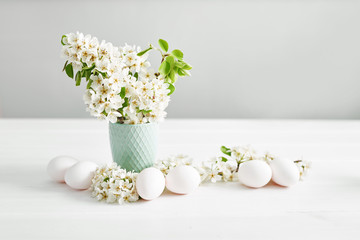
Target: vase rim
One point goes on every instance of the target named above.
(139, 125)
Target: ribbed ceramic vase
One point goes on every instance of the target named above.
(134, 147)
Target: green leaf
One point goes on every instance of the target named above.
(181, 72)
(175, 69)
(62, 40)
(89, 84)
(170, 60)
(143, 111)
(172, 76)
(187, 73)
(78, 78)
(224, 159)
(171, 88)
(164, 45)
(178, 54)
(143, 52)
(187, 67)
(106, 179)
(180, 64)
(87, 75)
(136, 75)
(122, 92)
(69, 70)
(164, 68)
(225, 150)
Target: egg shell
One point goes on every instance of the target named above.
(57, 167)
(79, 176)
(284, 172)
(254, 173)
(150, 183)
(182, 180)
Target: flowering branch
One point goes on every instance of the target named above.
(172, 65)
(120, 85)
(225, 168)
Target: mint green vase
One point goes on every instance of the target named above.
(134, 147)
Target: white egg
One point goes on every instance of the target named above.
(79, 176)
(150, 183)
(284, 172)
(58, 166)
(182, 179)
(254, 173)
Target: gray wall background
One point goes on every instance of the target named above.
(251, 59)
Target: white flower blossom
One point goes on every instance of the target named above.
(304, 168)
(165, 165)
(114, 185)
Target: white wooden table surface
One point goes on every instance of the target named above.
(325, 206)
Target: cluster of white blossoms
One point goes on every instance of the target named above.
(225, 168)
(165, 165)
(217, 169)
(121, 86)
(114, 185)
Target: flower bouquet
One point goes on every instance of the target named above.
(122, 89)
